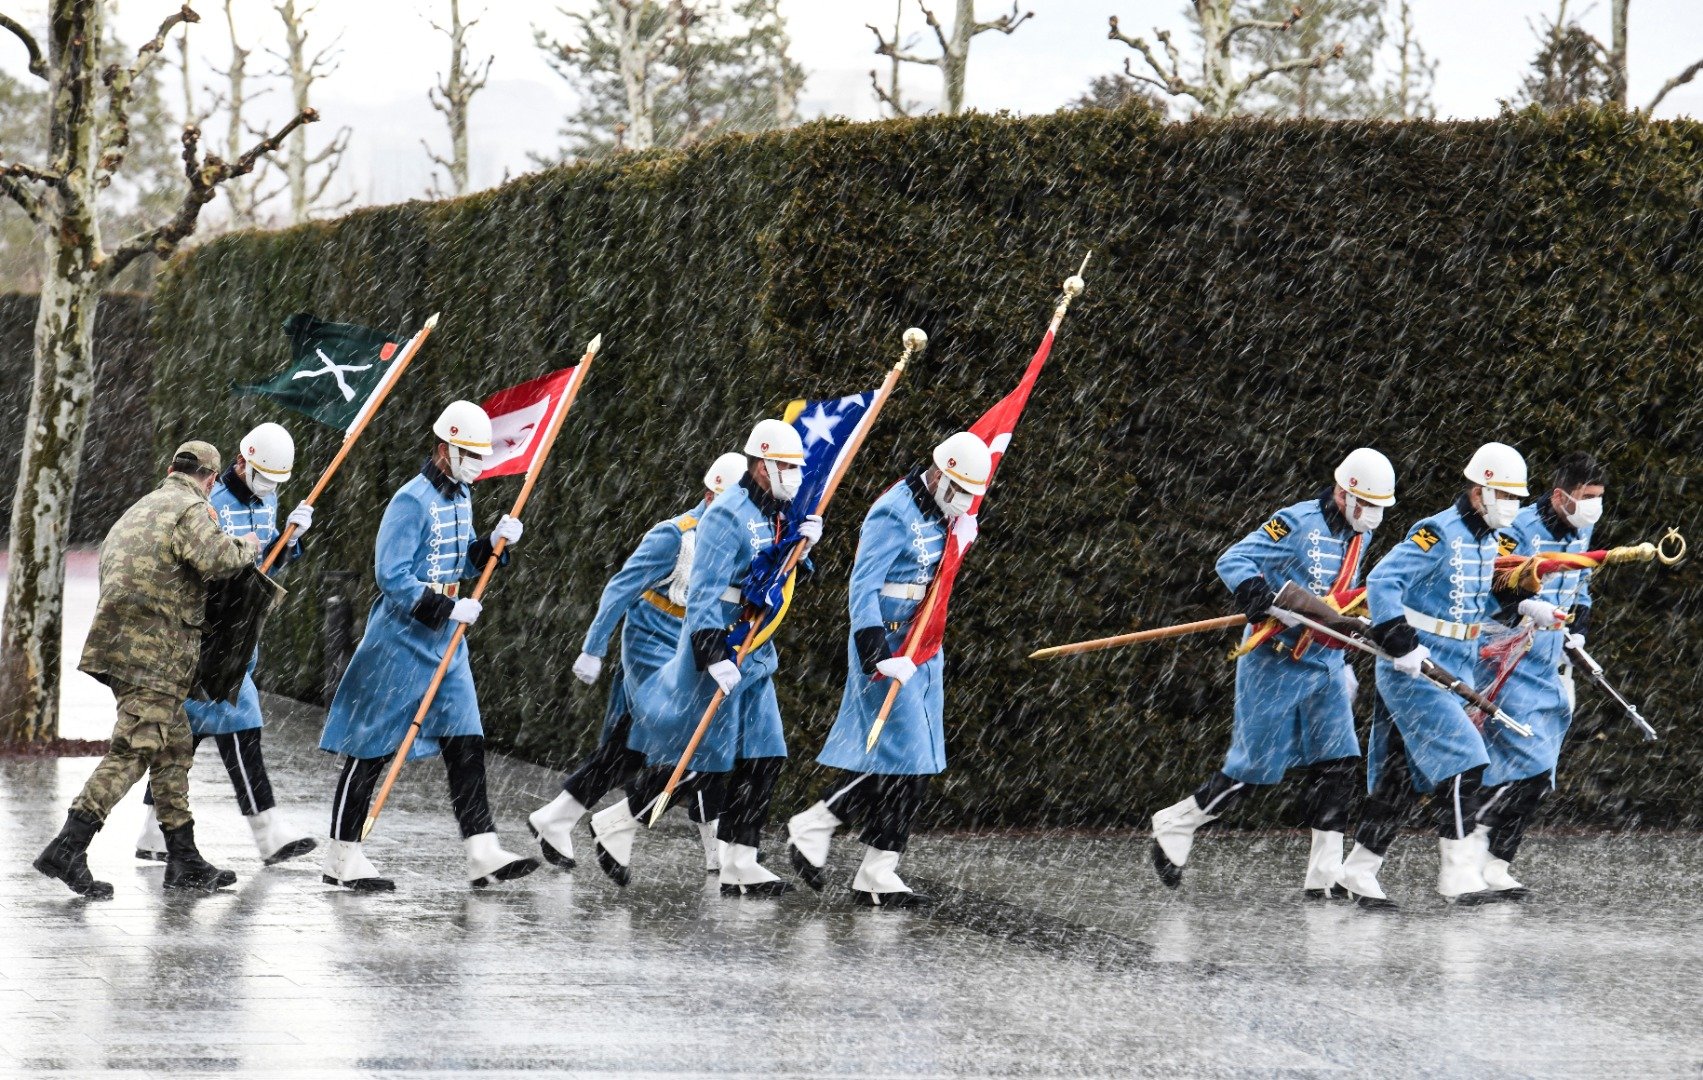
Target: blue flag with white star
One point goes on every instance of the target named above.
(826, 428)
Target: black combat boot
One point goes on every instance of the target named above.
(66, 857)
(186, 869)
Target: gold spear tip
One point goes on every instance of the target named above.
(595, 344)
(916, 339)
(432, 323)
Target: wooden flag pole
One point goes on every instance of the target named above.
(379, 394)
(1223, 622)
(460, 632)
(1072, 288)
(915, 342)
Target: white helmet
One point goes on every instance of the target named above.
(725, 472)
(967, 460)
(1498, 466)
(270, 453)
(1368, 476)
(775, 440)
(464, 424)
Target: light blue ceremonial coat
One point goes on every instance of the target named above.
(648, 632)
(1536, 691)
(241, 513)
(667, 707)
(1291, 713)
(1443, 569)
(422, 541)
(903, 539)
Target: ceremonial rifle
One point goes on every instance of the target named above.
(1295, 602)
(543, 452)
(1581, 658)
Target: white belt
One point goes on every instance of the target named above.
(732, 595)
(900, 591)
(1459, 631)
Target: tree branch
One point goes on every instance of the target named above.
(1138, 77)
(1318, 61)
(1171, 81)
(204, 180)
(885, 98)
(21, 194)
(1279, 25)
(892, 50)
(1005, 24)
(1673, 84)
(38, 66)
(115, 133)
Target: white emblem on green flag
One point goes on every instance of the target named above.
(335, 367)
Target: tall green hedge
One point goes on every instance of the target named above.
(1263, 297)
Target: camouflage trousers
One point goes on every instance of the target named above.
(152, 737)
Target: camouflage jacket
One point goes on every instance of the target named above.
(155, 563)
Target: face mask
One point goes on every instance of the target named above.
(1586, 512)
(783, 483)
(260, 483)
(464, 465)
(1364, 517)
(953, 500)
(1499, 513)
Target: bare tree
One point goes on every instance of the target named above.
(247, 194)
(1217, 90)
(1415, 74)
(303, 69)
(86, 148)
(890, 95)
(626, 38)
(954, 58)
(451, 97)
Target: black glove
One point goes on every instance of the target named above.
(1255, 598)
(433, 608)
(708, 646)
(872, 647)
(479, 552)
(1395, 636)
(1581, 620)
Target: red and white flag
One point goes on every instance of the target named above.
(994, 428)
(519, 416)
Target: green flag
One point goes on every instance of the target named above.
(334, 370)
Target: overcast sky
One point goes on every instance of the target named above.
(390, 57)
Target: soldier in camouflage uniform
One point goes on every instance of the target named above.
(144, 644)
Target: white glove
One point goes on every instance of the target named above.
(466, 610)
(509, 529)
(301, 517)
(588, 667)
(811, 530)
(965, 529)
(1409, 663)
(898, 668)
(726, 675)
(1575, 641)
(1545, 614)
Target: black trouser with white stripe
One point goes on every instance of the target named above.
(1455, 801)
(463, 760)
(608, 767)
(1330, 793)
(240, 751)
(884, 804)
(738, 801)
(1507, 808)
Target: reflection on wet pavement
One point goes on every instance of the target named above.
(1048, 955)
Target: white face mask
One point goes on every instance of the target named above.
(464, 465)
(1363, 517)
(1499, 513)
(260, 483)
(783, 483)
(953, 500)
(1586, 512)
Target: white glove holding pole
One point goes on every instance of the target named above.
(1575, 641)
(898, 668)
(587, 668)
(725, 673)
(466, 610)
(810, 530)
(301, 517)
(1545, 614)
(508, 529)
(1411, 662)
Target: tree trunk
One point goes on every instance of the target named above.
(1215, 16)
(32, 633)
(301, 83)
(956, 56)
(634, 53)
(1617, 53)
(458, 95)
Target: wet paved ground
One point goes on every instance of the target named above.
(1052, 956)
